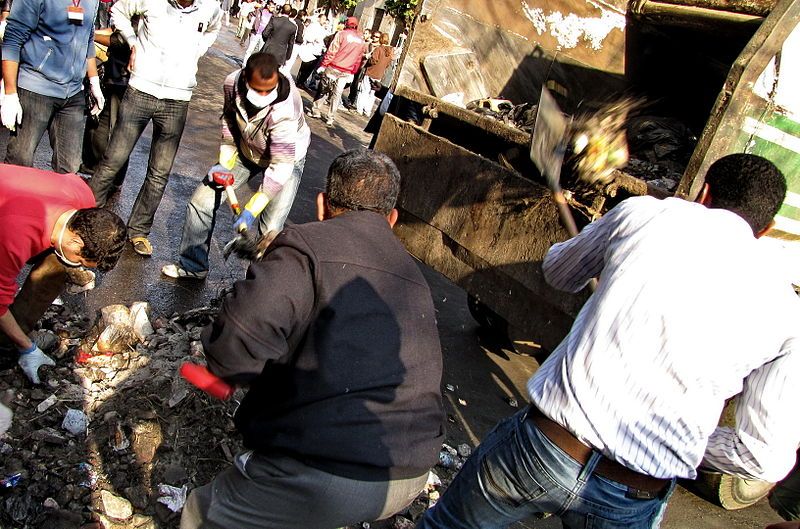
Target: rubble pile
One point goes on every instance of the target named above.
(113, 436)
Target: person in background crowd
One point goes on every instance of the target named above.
(114, 81)
(225, 7)
(379, 60)
(246, 8)
(630, 400)
(262, 18)
(313, 46)
(249, 21)
(263, 132)
(343, 59)
(103, 20)
(279, 35)
(172, 38)
(334, 332)
(43, 83)
(372, 41)
(300, 19)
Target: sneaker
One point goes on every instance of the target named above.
(314, 113)
(329, 122)
(176, 272)
(142, 246)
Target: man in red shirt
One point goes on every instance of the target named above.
(48, 220)
(343, 59)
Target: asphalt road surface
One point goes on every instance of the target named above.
(483, 375)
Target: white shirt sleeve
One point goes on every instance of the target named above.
(571, 264)
(767, 432)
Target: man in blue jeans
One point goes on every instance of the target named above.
(171, 37)
(630, 400)
(263, 131)
(47, 51)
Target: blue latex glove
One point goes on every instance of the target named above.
(244, 221)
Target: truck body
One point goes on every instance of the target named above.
(472, 204)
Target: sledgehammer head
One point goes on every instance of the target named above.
(223, 179)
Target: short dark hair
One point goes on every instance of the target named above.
(361, 179)
(749, 185)
(103, 234)
(264, 63)
(286, 9)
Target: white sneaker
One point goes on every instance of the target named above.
(176, 272)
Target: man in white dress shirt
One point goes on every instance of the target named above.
(688, 313)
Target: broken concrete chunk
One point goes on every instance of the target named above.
(49, 435)
(75, 422)
(46, 403)
(116, 506)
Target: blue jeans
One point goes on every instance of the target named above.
(201, 212)
(136, 111)
(64, 120)
(517, 472)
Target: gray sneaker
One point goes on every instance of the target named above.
(176, 272)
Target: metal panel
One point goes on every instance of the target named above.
(482, 226)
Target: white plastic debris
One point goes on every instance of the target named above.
(433, 481)
(75, 422)
(46, 403)
(172, 497)
(140, 320)
(5, 419)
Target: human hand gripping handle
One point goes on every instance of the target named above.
(11, 111)
(203, 379)
(97, 93)
(31, 359)
(253, 209)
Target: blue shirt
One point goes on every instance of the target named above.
(51, 51)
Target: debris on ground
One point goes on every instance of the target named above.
(111, 436)
(114, 437)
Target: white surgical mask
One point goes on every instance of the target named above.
(259, 101)
(58, 249)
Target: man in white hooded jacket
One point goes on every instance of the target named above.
(171, 38)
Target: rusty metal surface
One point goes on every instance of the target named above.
(521, 45)
(482, 226)
(749, 7)
(731, 107)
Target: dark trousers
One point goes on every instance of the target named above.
(64, 120)
(97, 137)
(137, 110)
(306, 69)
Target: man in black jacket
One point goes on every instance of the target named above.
(334, 330)
(279, 35)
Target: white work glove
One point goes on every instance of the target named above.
(11, 111)
(97, 93)
(5, 419)
(3, 25)
(31, 360)
(320, 69)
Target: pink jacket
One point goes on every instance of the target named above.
(346, 51)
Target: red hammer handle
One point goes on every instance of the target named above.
(200, 377)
